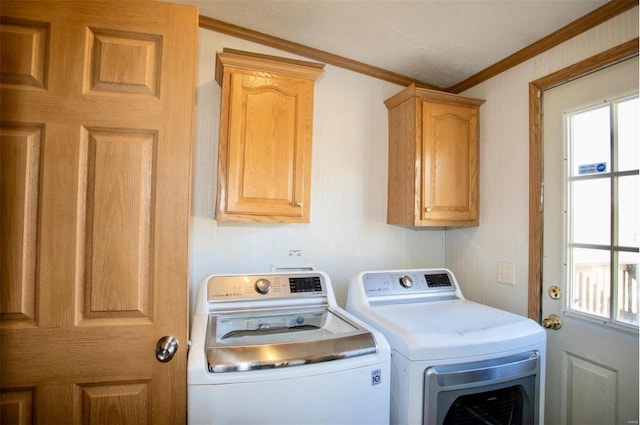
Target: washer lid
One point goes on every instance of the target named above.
(450, 329)
(276, 338)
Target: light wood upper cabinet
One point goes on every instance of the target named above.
(433, 159)
(266, 123)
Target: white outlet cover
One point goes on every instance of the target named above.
(506, 272)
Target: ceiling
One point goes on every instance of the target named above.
(439, 42)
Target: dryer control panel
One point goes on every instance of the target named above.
(434, 282)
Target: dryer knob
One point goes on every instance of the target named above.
(406, 281)
(262, 286)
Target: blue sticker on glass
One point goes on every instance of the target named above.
(600, 167)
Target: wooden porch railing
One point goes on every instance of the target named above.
(591, 293)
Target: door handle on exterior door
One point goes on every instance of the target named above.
(552, 322)
(554, 292)
(166, 348)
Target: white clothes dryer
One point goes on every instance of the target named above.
(453, 361)
(276, 349)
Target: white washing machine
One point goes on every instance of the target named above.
(453, 361)
(276, 349)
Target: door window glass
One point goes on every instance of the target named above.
(628, 137)
(590, 288)
(628, 212)
(602, 211)
(590, 136)
(591, 217)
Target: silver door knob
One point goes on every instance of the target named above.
(166, 348)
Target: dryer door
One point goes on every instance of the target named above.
(497, 391)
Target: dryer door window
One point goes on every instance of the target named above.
(503, 406)
(502, 391)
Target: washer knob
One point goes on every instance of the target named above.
(406, 281)
(262, 286)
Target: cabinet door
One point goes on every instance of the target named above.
(450, 158)
(269, 148)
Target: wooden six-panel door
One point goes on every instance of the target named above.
(95, 156)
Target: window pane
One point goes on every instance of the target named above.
(596, 286)
(590, 140)
(628, 211)
(628, 295)
(591, 214)
(590, 281)
(628, 135)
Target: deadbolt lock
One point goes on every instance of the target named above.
(554, 292)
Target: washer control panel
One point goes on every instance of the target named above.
(262, 286)
(248, 287)
(406, 281)
(390, 283)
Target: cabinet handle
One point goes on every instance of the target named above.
(299, 204)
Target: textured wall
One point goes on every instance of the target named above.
(503, 234)
(348, 231)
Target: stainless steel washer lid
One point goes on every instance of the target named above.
(277, 338)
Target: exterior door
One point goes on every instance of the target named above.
(590, 247)
(95, 152)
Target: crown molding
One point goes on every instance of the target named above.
(309, 52)
(580, 25)
(577, 27)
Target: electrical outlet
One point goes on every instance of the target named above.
(506, 273)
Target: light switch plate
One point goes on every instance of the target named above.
(506, 273)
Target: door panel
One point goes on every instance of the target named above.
(95, 150)
(585, 377)
(17, 407)
(20, 164)
(119, 207)
(592, 367)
